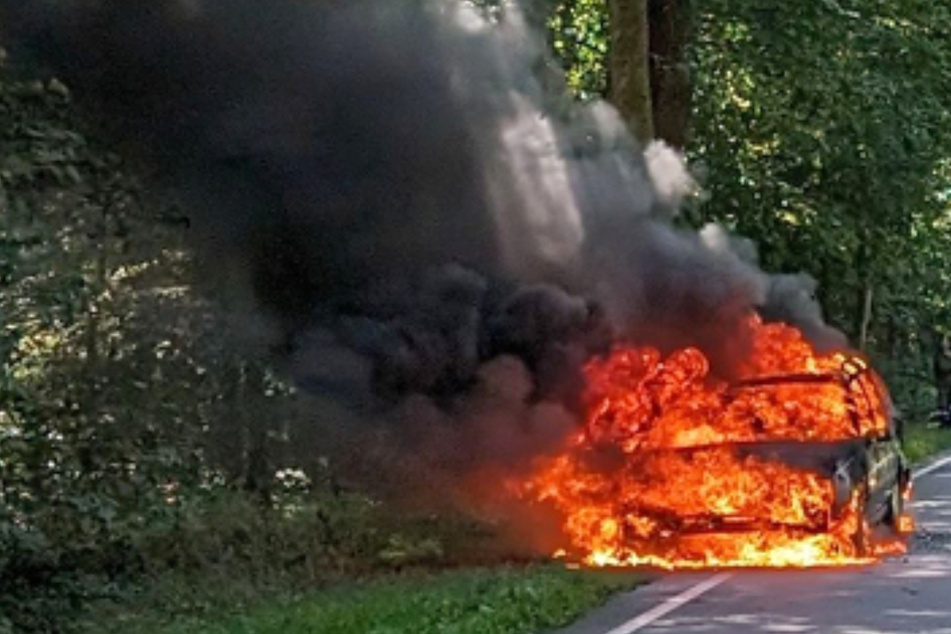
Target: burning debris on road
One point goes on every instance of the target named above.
(439, 243)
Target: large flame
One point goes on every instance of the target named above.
(676, 469)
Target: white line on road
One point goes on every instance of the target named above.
(671, 604)
(690, 594)
(934, 466)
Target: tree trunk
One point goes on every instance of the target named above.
(94, 307)
(863, 263)
(866, 317)
(671, 27)
(630, 90)
(257, 478)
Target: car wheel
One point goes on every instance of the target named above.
(896, 506)
(861, 537)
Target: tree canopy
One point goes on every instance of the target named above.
(820, 131)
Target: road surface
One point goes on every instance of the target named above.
(908, 594)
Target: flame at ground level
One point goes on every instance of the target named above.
(675, 469)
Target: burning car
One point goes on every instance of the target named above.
(869, 467)
(796, 464)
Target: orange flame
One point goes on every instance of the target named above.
(677, 469)
(906, 524)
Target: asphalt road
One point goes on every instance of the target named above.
(908, 594)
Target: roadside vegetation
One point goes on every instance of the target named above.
(146, 484)
(923, 441)
(499, 601)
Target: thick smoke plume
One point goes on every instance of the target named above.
(436, 235)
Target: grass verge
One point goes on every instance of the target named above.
(923, 442)
(506, 601)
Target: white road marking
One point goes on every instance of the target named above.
(690, 594)
(671, 604)
(934, 466)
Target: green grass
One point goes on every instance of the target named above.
(923, 442)
(508, 601)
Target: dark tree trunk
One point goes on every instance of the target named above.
(860, 320)
(258, 473)
(671, 27)
(630, 90)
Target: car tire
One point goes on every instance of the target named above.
(861, 537)
(864, 537)
(896, 506)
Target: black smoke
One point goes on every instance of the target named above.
(433, 233)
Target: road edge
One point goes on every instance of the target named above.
(924, 467)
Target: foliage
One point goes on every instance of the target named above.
(225, 556)
(499, 601)
(579, 38)
(47, 290)
(141, 437)
(824, 130)
(821, 131)
(924, 441)
(129, 411)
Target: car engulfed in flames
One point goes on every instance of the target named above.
(797, 464)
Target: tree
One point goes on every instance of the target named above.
(633, 52)
(671, 29)
(630, 85)
(821, 132)
(824, 131)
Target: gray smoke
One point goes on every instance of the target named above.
(786, 298)
(437, 237)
